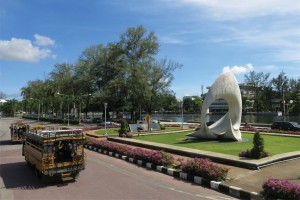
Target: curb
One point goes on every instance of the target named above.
(218, 186)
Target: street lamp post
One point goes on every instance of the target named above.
(39, 111)
(182, 114)
(68, 106)
(105, 106)
(79, 118)
(287, 107)
(39, 108)
(68, 112)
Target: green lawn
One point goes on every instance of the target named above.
(113, 131)
(110, 131)
(273, 144)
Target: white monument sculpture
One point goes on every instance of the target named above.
(228, 127)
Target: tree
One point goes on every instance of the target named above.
(2, 95)
(167, 102)
(259, 83)
(10, 107)
(144, 72)
(280, 84)
(125, 74)
(294, 95)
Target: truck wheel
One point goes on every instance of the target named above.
(45, 178)
(75, 175)
(28, 163)
(37, 172)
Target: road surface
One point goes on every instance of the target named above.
(105, 177)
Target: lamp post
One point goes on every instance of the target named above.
(68, 106)
(39, 111)
(182, 114)
(85, 95)
(287, 108)
(105, 106)
(39, 108)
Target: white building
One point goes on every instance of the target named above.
(2, 101)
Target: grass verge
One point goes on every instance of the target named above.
(110, 131)
(273, 144)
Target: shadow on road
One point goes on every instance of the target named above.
(19, 175)
(8, 142)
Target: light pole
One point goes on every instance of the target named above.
(182, 114)
(79, 118)
(287, 108)
(68, 106)
(39, 108)
(68, 112)
(105, 106)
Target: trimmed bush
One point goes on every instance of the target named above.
(205, 168)
(123, 129)
(277, 189)
(258, 146)
(257, 151)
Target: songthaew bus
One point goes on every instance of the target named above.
(18, 131)
(55, 155)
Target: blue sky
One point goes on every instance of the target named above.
(205, 36)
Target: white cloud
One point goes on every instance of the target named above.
(270, 24)
(43, 40)
(239, 69)
(236, 9)
(170, 40)
(23, 50)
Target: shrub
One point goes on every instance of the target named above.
(124, 128)
(257, 151)
(277, 189)
(258, 146)
(162, 127)
(155, 157)
(205, 168)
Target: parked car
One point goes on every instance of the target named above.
(109, 123)
(286, 126)
(87, 120)
(96, 119)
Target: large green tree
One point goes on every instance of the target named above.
(147, 78)
(125, 74)
(281, 85)
(260, 84)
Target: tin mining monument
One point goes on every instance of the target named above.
(227, 127)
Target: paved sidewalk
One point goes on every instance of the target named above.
(252, 180)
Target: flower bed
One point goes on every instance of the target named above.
(204, 168)
(247, 154)
(197, 166)
(277, 189)
(269, 130)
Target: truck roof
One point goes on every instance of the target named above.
(58, 134)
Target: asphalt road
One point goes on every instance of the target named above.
(105, 177)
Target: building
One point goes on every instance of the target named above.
(2, 101)
(221, 106)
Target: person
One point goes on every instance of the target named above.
(20, 133)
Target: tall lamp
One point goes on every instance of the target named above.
(105, 106)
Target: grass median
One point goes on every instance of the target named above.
(273, 144)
